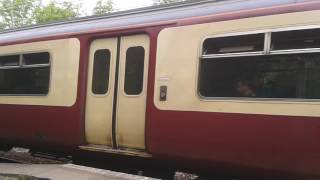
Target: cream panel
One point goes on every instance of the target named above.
(98, 120)
(178, 59)
(132, 109)
(64, 59)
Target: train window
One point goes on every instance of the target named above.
(18, 79)
(234, 44)
(297, 39)
(276, 76)
(101, 71)
(36, 58)
(133, 83)
(7, 61)
(24, 81)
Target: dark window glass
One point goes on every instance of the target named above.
(277, 76)
(101, 71)
(298, 39)
(36, 58)
(234, 44)
(12, 60)
(134, 70)
(24, 81)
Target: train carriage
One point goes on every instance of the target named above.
(216, 82)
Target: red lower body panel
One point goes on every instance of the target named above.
(280, 143)
(35, 125)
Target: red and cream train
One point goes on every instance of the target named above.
(234, 82)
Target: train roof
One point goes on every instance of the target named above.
(153, 14)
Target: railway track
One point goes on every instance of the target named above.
(25, 156)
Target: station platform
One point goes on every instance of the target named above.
(61, 172)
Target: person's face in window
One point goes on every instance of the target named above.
(244, 90)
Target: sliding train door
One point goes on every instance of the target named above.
(116, 94)
(100, 91)
(132, 93)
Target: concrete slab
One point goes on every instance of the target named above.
(67, 171)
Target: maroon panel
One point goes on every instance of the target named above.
(272, 142)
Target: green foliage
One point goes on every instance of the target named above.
(2, 26)
(15, 13)
(54, 12)
(103, 7)
(158, 2)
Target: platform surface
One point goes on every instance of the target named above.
(67, 171)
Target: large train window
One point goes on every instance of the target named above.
(101, 71)
(288, 68)
(20, 77)
(278, 76)
(133, 83)
(234, 44)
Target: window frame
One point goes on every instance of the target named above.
(267, 51)
(144, 71)
(21, 66)
(231, 54)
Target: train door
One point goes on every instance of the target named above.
(116, 95)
